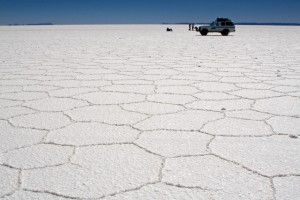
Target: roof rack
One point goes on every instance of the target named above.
(222, 19)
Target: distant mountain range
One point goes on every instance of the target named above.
(37, 24)
(245, 23)
(182, 23)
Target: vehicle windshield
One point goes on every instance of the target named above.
(229, 24)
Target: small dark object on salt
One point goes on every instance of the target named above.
(293, 136)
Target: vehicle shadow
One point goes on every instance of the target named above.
(214, 36)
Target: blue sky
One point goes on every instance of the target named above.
(147, 11)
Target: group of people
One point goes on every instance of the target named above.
(191, 27)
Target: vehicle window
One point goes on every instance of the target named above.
(222, 23)
(229, 24)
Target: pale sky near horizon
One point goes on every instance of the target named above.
(146, 11)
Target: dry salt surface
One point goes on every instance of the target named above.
(135, 112)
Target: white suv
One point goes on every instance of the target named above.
(221, 25)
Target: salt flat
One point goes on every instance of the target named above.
(134, 112)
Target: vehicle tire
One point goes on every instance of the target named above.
(225, 32)
(204, 32)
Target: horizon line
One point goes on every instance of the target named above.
(163, 23)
